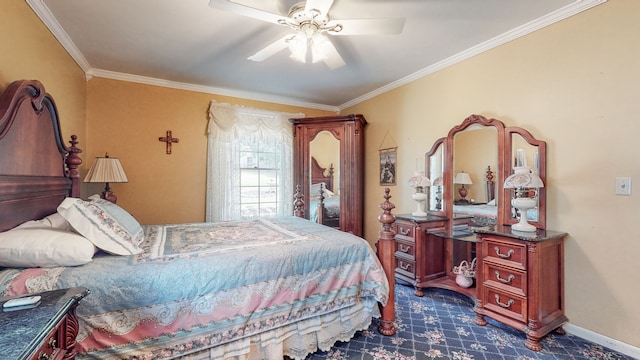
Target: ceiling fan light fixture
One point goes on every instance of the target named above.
(298, 47)
(320, 48)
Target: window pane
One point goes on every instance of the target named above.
(268, 194)
(248, 159)
(249, 210)
(268, 178)
(250, 194)
(250, 178)
(268, 161)
(268, 209)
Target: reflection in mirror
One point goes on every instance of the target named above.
(475, 155)
(527, 155)
(324, 151)
(434, 171)
(475, 149)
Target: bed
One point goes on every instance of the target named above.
(261, 288)
(483, 213)
(324, 205)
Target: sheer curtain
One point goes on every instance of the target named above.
(229, 126)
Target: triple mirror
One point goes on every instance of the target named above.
(469, 166)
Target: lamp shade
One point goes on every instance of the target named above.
(438, 181)
(419, 179)
(462, 178)
(523, 177)
(106, 170)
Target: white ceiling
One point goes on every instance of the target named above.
(189, 45)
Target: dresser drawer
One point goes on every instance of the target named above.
(505, 303)
(50, 348)
(507, 279)
(406, 267)
(405, 230)
(508, 253)
(406, 247)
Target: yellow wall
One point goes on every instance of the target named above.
(575, 85)
(28, 51)
(126, 119)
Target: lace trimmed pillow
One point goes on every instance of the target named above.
(108, 226)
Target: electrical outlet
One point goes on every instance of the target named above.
(623, 186)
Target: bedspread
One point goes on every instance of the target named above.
(331, 205)
(198, 286)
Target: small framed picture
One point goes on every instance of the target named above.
(388, 158)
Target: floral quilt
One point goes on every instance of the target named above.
(227, 287)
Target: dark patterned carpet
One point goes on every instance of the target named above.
(440, 326)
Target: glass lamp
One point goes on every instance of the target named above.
(419, 181)
(107, 170)
(526, 184)
(463, 179)
(438, 184)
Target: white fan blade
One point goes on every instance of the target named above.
(247, 11)
(322, 6)
(333, 60)
(391, 26)
(272, 49)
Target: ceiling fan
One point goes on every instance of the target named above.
(310, 22)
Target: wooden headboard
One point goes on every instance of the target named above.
(37, 171)
(318, 174)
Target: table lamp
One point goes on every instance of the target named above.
(107, 170)
(526, 184)
(419, 181)
(464, 179)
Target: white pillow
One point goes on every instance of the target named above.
(105, 224)
(53, 221)
(40, 247)
(315, 190)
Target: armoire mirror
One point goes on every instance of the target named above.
(331, 146)
(479, 146)
(434, 170)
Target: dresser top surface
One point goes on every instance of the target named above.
(506, 231)
(25, 329)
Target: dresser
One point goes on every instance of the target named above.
(520, 280)
(45, 332)
(419, 258)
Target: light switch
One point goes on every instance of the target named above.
(623, 186)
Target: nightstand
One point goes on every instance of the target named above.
(47, 331)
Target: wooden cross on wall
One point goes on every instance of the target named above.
(169, 140)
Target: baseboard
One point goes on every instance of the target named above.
(599, 339)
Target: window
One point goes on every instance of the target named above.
(249, 164)
(259, 180)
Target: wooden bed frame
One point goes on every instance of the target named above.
(318, 174)
(37, 172)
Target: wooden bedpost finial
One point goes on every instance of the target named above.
(74, 161)
(298, 202)
(386, 247)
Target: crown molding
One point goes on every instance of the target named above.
(50, 21)
(551, 18)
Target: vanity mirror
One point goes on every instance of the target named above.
(434, 167)
(484, 149)
(329, 154)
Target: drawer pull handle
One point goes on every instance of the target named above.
(507, 305)
(405, 248)
(509, 253)
(404, 231)
(404, 266)
(504, 281)
(43, 356)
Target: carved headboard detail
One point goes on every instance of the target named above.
(37, 171)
